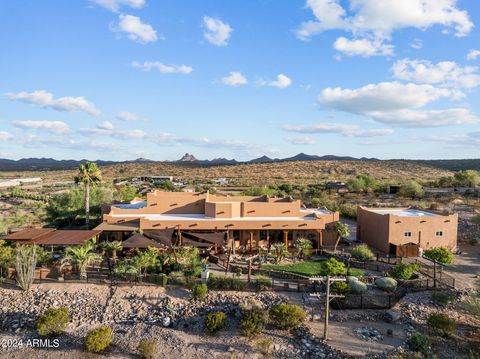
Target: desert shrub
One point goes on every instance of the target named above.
(287, 316)
(200, 291)
(53, 321)
(355, 272)
(333, 267)
(442, 298)
(348, 211)
(411, 189)
(263, 283)
(236, 270)
(441, 323)
(419, 343)
(214, 322)
(356, 286)
(362, 253)
(98, 339)
(440, 254)
(177, 277)
(226, 283)
(44, 257)
(161, 279)
(475, 219)
(472, 304)
(386, 283)
(341, 288)
(264, 346)
(148, 348)
(405, 271)
(252, 322)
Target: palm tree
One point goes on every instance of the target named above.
(304, 247)
(80, 257)
(112, 248)
(342, 231)
(88, 174)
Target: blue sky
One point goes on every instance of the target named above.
(121, 79)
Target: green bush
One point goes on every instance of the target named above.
(98, 339)
(226, 283)
(252, 322)
(53, 321)
(200, 291)
(148, 348)
(263, 283)
(177, 277)
(441, 323)
(355, 272)
(441, 298)
(419, 343)
(356, 286)
(339, 287)
(287, 316)
(405, 271)
(440, 254)
(333, 267)
(264, 346)
(161, 279)
(362, 253)
(236, 270)
(214, 322)
(386, 283)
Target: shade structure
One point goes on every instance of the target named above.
(55, 237)
(161, 236)
(214, 238)
(126, 226)
(29, 234)
(191, 243)
(140, 241)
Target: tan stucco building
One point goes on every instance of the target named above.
(248, 222)
(403, 231)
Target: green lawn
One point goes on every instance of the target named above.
(303, 268)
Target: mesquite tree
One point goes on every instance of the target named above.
(25, 265)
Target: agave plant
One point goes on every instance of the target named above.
(80, 257)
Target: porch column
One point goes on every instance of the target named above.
(320, 239)
(250, 240)
(285, 239)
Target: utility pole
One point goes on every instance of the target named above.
(328, 298)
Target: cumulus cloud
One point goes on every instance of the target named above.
(473, 54)
(235, 79)
(445, 73)
(282, 81)
(127, 116)
(426, 118)
(216, 31)
(164, 69)
(115, 5)
(58, 127)
(343, 129)
(135, 29)
(5, 136)
(363, 47)
(106, 125)
(46, 99)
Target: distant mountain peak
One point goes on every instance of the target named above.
(187, 157)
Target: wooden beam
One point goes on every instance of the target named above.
(285, 239)
(250, 240)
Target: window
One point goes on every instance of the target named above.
(408, 234)
(439, 233)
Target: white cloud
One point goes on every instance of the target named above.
(305, 140)
(235, 78)
(343, 129)
(164, 69)
(5, 136)
(127, 116)
(384, 96)
(416, 44)
(46, 99)
(216, 31)
(58, 127)
(426, 118)
(136, 29)
(106, 128)
(363, 47)
(473, 54)
(282, 81)
(471, 139)
(106, 125)
(382, 18)
(115, 5)
(445, 73)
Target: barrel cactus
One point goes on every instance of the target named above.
(386, 283)
(356, 286)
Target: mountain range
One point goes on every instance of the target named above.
(45, 164)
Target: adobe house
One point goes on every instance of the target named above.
(241, 221)
(403, 231)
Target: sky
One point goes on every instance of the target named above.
(122, 79)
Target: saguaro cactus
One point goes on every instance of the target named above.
(25, 265)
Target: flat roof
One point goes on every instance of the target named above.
(405, 212)
(202, 217)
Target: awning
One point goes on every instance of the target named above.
(161, 236)
(214, 238)
(191, 243)
(28, 234)
(62, 238)
(129, 226)
(140, 241)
